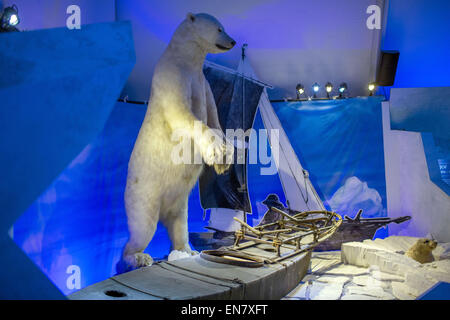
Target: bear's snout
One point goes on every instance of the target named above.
(227, 44)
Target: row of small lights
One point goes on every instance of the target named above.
(329, 88)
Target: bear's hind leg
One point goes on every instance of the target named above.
(177, 228)
(140, 237)
(143, 219)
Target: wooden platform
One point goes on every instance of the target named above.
(196, 278)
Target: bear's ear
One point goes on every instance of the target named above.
(191, 16)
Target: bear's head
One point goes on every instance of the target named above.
(209, 33)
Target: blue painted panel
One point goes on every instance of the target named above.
(57, 88)
(340, 143)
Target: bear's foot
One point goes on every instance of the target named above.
(176, 254)
(193, 252)
(188, 250)
(138, 260)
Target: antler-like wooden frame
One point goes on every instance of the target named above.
(289, 232)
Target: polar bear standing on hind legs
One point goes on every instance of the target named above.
(181, 101)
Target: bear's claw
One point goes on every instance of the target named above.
(142, 260)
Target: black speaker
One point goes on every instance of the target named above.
(387, 68)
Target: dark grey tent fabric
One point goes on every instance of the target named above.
(231, 92)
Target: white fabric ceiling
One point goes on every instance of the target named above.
(290, 41)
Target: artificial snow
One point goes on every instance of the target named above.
(372, 270)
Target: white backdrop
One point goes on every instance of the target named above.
(290, 41)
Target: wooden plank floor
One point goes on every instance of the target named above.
(196, 278)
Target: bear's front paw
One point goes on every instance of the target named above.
(218, 152)
(228, 158)
(221, 168)
(213, 152)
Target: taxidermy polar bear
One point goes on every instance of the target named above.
(181, 101)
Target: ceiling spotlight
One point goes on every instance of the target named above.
(315, 88)
(9, 19)
(328, 88)
(300, 90)
(371, 88)
(342, 89)
(14, 20)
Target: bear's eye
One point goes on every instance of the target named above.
(220, 29)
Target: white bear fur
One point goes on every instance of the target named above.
(158, 189)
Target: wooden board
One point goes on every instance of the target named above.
(196, 278)
(167, 284)
(98, 292)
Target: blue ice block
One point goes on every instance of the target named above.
(426, 110)
(440, 291)
(421, 110)
(57, 89)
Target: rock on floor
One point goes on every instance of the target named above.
(330, 279)
(347, 270)
(369, 281)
